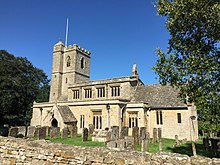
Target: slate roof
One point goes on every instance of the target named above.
(66, 114)
(158, 96)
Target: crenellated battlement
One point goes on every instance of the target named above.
(78, 48)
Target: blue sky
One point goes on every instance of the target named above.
(118, 33)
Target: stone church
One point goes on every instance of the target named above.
(123, 101)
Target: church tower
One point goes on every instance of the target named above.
(71, 65)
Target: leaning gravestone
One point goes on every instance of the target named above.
(135, 135)
(91, 129)
(85, 134)
(54, 132)
(13, 131)
(124, 132)
(64, 132)
(115, 132)
(159, 134)
(21, 131)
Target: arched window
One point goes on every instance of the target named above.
(82, 63)
(68, 61)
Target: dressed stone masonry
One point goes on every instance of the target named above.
(76, 102)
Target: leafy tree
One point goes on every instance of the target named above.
(191, 62)
(20, 84)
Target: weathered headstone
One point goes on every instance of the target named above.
(159, 134)
(115, 132)
(30, 131)
(73, 131)
(142, 134)
(47, 128)
(21, 131)
(177, 140)
(91, 129)
(13, 131)
(54, 132)
(124, 132)
(41, 133)
(154, 140)
(64, 132)
(147, 141)
(85, 134)
(135, 135)
(4, 130)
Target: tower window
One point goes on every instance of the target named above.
(82, 63)
(68, 61)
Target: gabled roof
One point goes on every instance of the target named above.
(66, 114)
(158, 96)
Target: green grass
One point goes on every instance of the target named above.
(168, 146)
(77, 141)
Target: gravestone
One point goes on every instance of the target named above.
(147, 141)
(159, 134)
(91, 129)
(115, 132)
(154, 140)
(41, 133)
(135, 135)
(30, 131)
(47, 128)
(124, 132)
(73, 131)
(142, 133)
(206, 143)
(177, 140)
(4, 130)
(85, 134)
(64, 132)
(54, 132)
(21, 131)
(13, 131)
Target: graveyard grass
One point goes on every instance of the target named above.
(168, 146)
(77, 141)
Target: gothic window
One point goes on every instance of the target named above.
(159, 117)
(68, 61)
(115, 91)
(75, 94)
(82, 63)
(88, 93)
(82, 121)
(101, 92)
(179, 120)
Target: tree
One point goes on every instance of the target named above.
(191, 62)
(20, 85)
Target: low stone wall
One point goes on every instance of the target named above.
(40, 152)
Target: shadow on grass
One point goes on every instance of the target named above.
(187, 150)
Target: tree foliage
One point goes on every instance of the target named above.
(191, 62)
(20, 84)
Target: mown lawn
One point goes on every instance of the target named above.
(168, 146)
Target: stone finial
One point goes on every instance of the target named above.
(134, 70)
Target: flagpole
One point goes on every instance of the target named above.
(67, 26)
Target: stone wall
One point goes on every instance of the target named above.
(41, 152)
